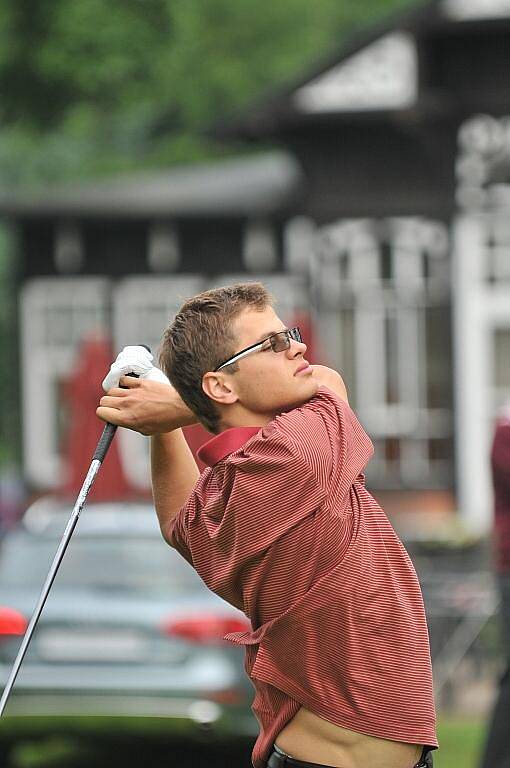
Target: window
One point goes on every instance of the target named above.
(56, 315)
(382, 300)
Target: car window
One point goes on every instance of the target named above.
(117, 563)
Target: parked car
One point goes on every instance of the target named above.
(129, 628)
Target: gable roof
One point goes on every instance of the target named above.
(282, 106)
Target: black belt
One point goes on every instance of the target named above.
(278, 760)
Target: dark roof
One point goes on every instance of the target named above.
(247, 186)
(263, 118)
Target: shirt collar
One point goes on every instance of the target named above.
(226, 442)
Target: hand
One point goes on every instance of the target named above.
(133, 359)
(148, 407)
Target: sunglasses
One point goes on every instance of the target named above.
(278, 342)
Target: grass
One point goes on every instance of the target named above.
(461, 742)
(111, 742)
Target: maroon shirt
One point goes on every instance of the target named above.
(500, 461)
(282, 526)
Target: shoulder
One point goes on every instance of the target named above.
(307, 433)
(324, 409)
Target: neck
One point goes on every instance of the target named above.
(239, 417)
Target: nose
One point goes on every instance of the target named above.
(296, 348)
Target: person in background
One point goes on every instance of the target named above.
(497, 748)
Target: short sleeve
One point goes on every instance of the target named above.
(302, 463)
(236, 513)
(177, 534)
(273, 488)
(331, 441)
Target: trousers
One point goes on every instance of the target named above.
(497, 747)
(278, 759)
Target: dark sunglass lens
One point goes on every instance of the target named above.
(280, 341)
(296, 334)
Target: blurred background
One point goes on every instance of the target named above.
(355, 157)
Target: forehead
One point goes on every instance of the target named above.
(252, 325)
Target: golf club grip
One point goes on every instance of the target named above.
(104, 442)
(110, 429)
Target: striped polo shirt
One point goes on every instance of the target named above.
(280, 525)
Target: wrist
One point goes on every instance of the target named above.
(177, 416)
(187, 418)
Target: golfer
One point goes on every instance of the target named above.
(281, 525)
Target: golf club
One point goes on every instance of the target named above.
(97, 459)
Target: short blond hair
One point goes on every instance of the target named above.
(200, 338)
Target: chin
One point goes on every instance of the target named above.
(299, 398)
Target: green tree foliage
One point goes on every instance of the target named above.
(91, 87)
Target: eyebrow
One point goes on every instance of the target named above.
(265, 336)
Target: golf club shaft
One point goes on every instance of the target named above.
(97, 459)
(99, 454)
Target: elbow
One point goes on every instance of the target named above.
(331, 379)
(166, 532)
(166, 519)
(340, 388)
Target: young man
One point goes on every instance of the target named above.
(281, 525)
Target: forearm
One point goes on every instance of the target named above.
(174, 474)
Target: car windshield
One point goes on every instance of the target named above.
(106, 562)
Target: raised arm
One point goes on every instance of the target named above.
(174, 474)
(155, 409)
(331, 379)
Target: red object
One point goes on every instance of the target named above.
(205, 628)
(222, 445)
(196, 436)
(12, 622)
(500, 462)
(228, 696)
(82, 392)
(286, 531)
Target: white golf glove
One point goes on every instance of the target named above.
(133, 360)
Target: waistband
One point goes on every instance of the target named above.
(278, 759)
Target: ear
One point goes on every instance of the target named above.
(219, 387)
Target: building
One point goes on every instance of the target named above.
(384, 218)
